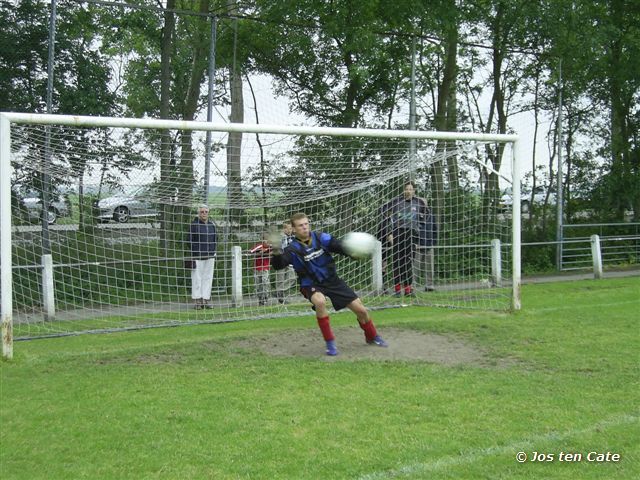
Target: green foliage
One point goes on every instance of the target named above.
(82, 73)
(332, 59)
(346, 63)
(598, 42)
(23, 55)
(539, 259)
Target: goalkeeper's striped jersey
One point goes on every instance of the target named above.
(312, 262)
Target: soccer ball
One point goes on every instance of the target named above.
(359, 244)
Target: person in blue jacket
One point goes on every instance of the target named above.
(203, 240)
(424, 251)
(310, 255)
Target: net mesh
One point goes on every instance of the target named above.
(121, 202)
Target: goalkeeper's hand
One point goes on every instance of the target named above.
(274, 238)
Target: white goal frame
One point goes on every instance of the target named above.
(7, 118)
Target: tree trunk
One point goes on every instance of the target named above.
(185, 180)
(234, 140)
(453, 173)
(536, 128)
(499, 32)
(168, 31)
(445, 118)
(568, 156)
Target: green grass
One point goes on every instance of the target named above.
(186, 403)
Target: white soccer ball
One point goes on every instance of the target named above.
(359, 244)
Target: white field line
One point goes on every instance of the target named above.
(471, 456)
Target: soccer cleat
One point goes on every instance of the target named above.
(332, 350)
(429, 288)
(377, 340)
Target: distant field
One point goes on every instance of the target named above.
(459, 394)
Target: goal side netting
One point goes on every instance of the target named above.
(99, 213)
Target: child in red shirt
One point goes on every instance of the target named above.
(261, 268)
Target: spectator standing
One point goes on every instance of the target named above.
(285, 278)
(203, 240)
(401, 218)
(424, 258)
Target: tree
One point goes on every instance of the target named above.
(499, 26)
(615, 82)
(444, 22)
(596, 43)
(166, 60)
(81, 80)
(332, 61)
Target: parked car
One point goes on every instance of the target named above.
(122, 208)
(539, 197)
(58, 207)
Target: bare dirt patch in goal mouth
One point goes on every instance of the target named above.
(404, 345)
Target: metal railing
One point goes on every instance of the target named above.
(619, 244)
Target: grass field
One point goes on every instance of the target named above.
(194, 403)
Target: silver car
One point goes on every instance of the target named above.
(539, 197)
(122, 208)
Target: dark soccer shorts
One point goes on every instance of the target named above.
(337, 290)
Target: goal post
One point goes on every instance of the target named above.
(125, 191)
(6, 287)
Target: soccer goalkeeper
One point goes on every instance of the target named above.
(310, 255)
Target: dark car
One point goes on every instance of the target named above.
(58, 207)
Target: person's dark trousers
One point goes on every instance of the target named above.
(402, 258)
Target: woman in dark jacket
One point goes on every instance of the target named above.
(203, 240)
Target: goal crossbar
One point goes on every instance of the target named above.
(89, 121)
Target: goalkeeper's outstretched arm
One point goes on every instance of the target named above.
(335, 246)
(280, 260)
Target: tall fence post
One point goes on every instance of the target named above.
(236, 276)
(596, 255)
(48, 297)
(496, 263)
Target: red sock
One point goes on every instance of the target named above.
(407, 289)
(369, 330)
(325, 328)
(398, 287)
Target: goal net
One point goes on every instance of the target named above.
(119, 196)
